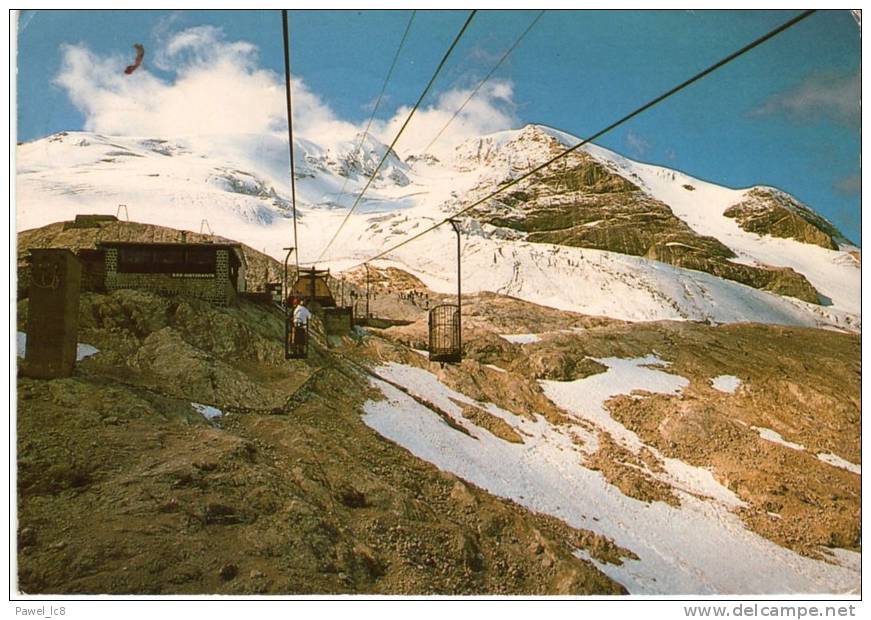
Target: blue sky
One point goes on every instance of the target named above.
(785, 114)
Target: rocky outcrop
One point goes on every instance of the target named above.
(767, 211)
(582, 203)
(123, 487)
(781, 280)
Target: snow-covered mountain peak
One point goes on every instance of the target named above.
(358, 160)
(515, 148)
(592, 217)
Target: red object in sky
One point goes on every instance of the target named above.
(140, 54)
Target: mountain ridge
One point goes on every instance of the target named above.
(595, 200)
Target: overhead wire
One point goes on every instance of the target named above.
(401, 130)
(286, 34)
(377, 102)
(698, 76)
(469, 98)
(484, 81)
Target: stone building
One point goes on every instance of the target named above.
(211, 271)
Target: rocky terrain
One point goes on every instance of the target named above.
(286, 492)
(801, 383)
(660, 391)
(295, 488)
(580, 202)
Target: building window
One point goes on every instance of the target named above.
(169, 260)
(200, 260)
(166, 259)
(135, 260)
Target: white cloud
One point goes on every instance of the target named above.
(637, 143)
(818, 96)
(218, 88)
(203, 40)
(849, 185)
(492, 109)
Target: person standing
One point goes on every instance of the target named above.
(301, 316)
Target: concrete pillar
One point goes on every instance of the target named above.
(52, 313)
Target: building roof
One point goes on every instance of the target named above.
(236, 247)
(171, 244)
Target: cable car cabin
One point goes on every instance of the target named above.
(445, 344)
(311, 285)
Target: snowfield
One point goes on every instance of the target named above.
(699, 548)
(833, 273)
(604, 283)
(239, 185)
(521, 338)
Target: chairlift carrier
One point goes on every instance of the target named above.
(444, 334)
(295, 339)
(445, 320)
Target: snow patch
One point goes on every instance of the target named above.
(775, 437)
(85, 350)
(82, 350)
(699, 548)
(726, 383)
(208, 412)
(837, 461)
(585, 398)
(521, 338)
(829, 458)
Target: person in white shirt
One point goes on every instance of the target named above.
(301, 315)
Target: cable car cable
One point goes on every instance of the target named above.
(602, 132)
(482, 82)
(377, 103)
(286, 34)
(401, 129)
